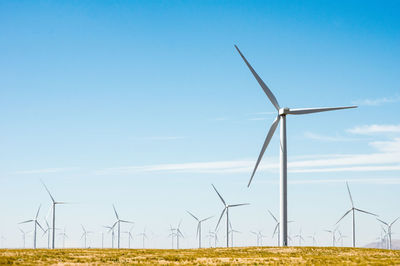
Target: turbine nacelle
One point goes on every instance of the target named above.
(284, 111)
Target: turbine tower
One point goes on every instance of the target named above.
(389, 230)
(353, 210)
(35, 224)
(198, 231)
(119, 221)
(226, 208)
(54, 214)
(282, 112)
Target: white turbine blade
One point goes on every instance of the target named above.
(223, 201)
(48, 191)
(115, 211)
(329, 231)
(125, 221)
(206, 218)
(197, 231)
(343, 216)
(179, 232)
(254, 233)
(276, 220)
(366, 212)
(82, 235)
(382, 221)
(62, 202)
(24, 222)
(83, 228)
(260, 81)
(303, 111)
(193, 215)
(39, 225)
(348, 189)
(276, 229)
(236, 205)
(222, 213)
(112, 227)
(264, 147)
(394, 221)
(37, 213)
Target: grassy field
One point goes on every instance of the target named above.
(248, 255)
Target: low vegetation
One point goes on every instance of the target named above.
(225, 256)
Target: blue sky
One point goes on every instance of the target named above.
(145, 104)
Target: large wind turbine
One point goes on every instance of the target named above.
(119, 221)
(35, 224)
(226, 208)
(282, 112)
(353, 210)
(198, 230)
(389, 230)
(54, 214)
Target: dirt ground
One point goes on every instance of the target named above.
(209, 256)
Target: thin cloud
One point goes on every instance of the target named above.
(326, 138)
(374, 129)
(377, 102)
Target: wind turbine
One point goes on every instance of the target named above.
(300, 237)
(23, 235)
(353, 210)
(276, 229)
(85, 234)
(257, 237)
(64, 235)
(54, 213)
(48, 232)
(214, 235)
(35, 224)
(143, 235)
(314, 241)
(178, 234)
(232, 231)
(340, 238)
(333, 233)
(110, 229)
(198, 231)
(129, 233)
(389, 230)
(226, 208)
(119, 224)
(282, 112)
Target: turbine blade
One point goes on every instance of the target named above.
(348, 189)
(197, 231)
(382, 221)
(264, 147)
(37, 213)
(275, 230)
(193, 215)
(39, 225)
(236, 205)
(24, 222)
(206, 218)
(303, 111)
(366, 212)
(261, 82)
(276, 220)
(222, 213)
(125, 221)
(223, 201)
(48, 191)
(343, 216)
(115, 211)
(394, 221)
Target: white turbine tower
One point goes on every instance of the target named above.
(282, 112)
(226, 208)
(198, 230)
(119, 221)
(54, 215)
(389, 230)
(353, 210)
(35, 224)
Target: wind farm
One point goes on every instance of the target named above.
(146, 133)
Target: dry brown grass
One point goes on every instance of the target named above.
(214, 256)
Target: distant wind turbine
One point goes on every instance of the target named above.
(85, 234)
(23, 235)
(333, 233)
(144, 236)
(214, 235)
(232, 231)
(300, 237)
(198, 230)
(178, 234)
(119, 221)
(129, 233)
(35, 224)
(341, 237)
(282, 112)
(64, 235)
(226, 209)
(389, 230)
(314, 241)
(54, 214)
(353, 210)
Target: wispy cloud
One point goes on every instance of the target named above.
(387, 158)
(327, 138)
(45, 171)
(374, 129)
(378, 101)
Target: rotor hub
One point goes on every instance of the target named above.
(283, 111)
